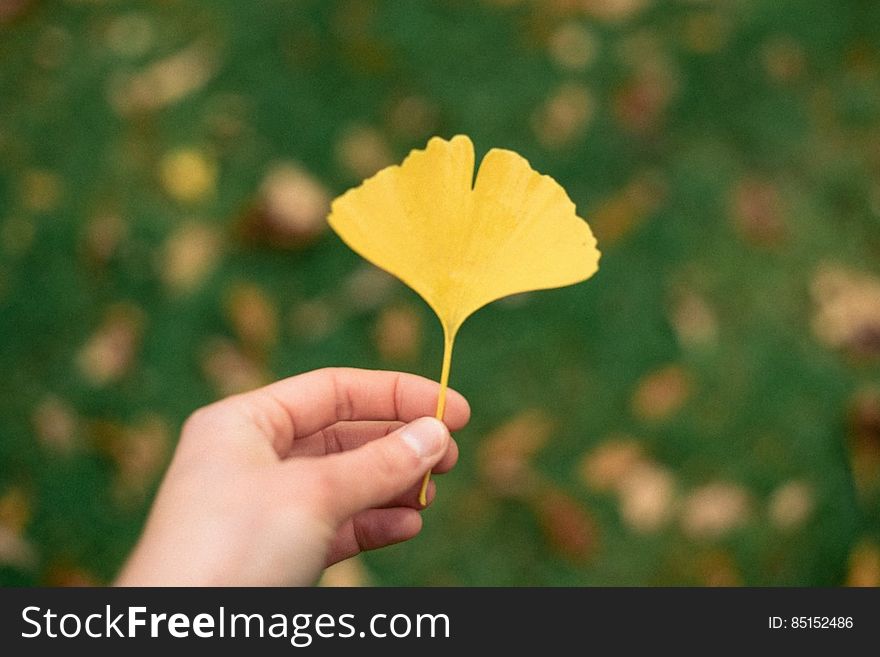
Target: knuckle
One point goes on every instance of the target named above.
(332, 444)
(198, 421)
(344, 399)
(196, 435)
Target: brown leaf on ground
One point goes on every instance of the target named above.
(130, 35)
(253, 316)
(55, 425)
(864, 564)
(104, 234)
(573, 46)
(15, 510)
(68, 576)
(864, 441)
(41, 190)
(15, 550)
(847, 311)
(413, 117)
(706, 32)
(290, 211)
(714, 510)
(166, 81)
(142, 455)
(694, 320)
(758, 212)
(648, 497)
(188, 175)
(568, 527)
(718, 568)
(661, 393)
(565, 116)
(639, 106)
(138, 452)
(111, 350)
(614, 11)
(189, 256)
(784, 58)
(398, 334)
(313, 320)
(362, 151)
(13, 9)
(604, 468)
(791, 505)
(622, 213)
(230, 370)
(367, 288)
(504, 455)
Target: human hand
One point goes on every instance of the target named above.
(271, 486)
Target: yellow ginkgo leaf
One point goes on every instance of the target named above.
(463, 244)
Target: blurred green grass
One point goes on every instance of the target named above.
(726, 153)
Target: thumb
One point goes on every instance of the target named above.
(382, 469)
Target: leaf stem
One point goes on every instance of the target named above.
(448, 340)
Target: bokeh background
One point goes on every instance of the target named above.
(704, 411)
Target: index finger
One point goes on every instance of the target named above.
(304, 404)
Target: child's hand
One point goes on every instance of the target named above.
(271, 486)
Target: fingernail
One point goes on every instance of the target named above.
(425, 435)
